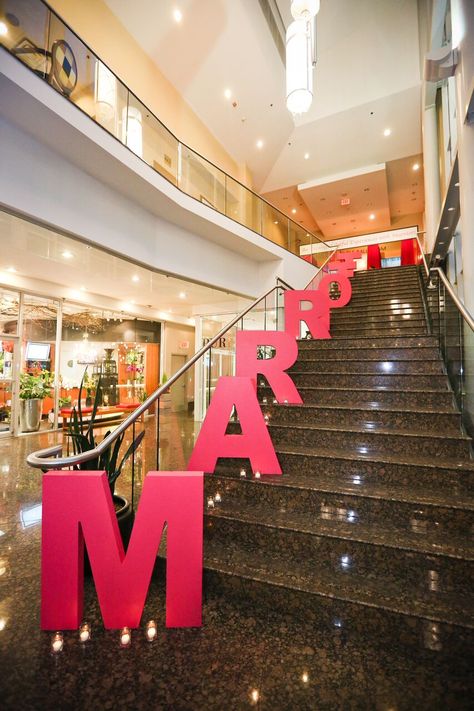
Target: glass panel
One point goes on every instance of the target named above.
(26, 23)
(300, 241)
(243, 205)
(275, 225)
(7, 348)
(150, 140)
(9, 308)
(202, 180)
(38, 361)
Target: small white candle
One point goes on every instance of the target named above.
(243, 473)
(151, 631)
(57, 643)
(275, 401)
(125, 637)
(210, 503)
(84, 633)
(264, 401)
(217, 498)
(257, 475)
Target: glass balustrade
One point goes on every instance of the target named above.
(40, 39)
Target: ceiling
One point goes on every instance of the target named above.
(90, 275)
(388, 191)
(367, 79)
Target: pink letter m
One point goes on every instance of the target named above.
(78, 508)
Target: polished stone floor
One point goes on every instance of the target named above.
(244, 656)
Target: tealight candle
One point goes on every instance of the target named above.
(151, 631)
(57, 643)
(210, 503)
(275, 401)
(264, 401)
(217, 498)
(257, 475)
(84, 633)
(243, 473)
(125, 637)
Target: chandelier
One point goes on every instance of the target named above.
(299, 55)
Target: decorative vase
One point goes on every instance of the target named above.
(30, 414)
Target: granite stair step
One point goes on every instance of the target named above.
(362, 381)
(455, 447)
(340, 318)
(250, 579)
(383, 298)
(357, 571)
(421, 341)
(427, 399)
(403, 291)
(348, 365)
(411, 328)
(404, 477)
(421, 353)
(369, 311)
(369, 418)
(435, 513)
(392, 283)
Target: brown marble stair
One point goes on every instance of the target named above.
(374, 512)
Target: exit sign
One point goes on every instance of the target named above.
(345, 201)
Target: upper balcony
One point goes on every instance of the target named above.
(36, 36)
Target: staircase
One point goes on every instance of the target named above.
(370, 524)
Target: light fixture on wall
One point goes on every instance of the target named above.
(105, 93)
(300, 56)
(132, 132)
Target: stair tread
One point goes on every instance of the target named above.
(412, 460)
(363, 430)
(345, 485)
(380, 407)
(453, 546)
(357, 589)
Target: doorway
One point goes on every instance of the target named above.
(179, 401)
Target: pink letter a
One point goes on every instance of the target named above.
(254, 443)
(78, 507)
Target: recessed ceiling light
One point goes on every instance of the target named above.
(259, 143)
(275, 222)
(456, 185)
(371, 216)
(177, 15)
(182, 294)
(307, 234)
(3, 29)
(294, 211)
(450, 209)
(227, 93)
(306, 156)
(83, 288)
(415, 166)
(12, 270)
(446, 228)
(387, 132)
(67, 254)
(135, 278)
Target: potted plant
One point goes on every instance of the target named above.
(81, 432)
(33, 390)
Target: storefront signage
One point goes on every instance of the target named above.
(361, 241)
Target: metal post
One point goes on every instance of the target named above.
(133, 465)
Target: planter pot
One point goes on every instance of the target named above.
(30, 414)
(125, 518)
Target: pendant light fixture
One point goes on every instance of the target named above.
(299, 56)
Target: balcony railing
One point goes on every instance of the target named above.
(37, 36)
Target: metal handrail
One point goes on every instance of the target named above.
(48, 459)
(425, 263)
(464, 312)
(321, 267)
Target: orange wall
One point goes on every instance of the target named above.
(96, 25)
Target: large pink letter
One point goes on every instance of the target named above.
(248, 365)
(345, 263)
(78, 507)
(316, 318)
(254, 443)
(345, 289)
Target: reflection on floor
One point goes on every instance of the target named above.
(245, 656)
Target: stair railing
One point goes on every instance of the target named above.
(453, 326)
(49, 458)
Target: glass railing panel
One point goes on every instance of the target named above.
(25, 33)
(300, 241)
(149, 139)
(201, 179)
(110, 101)
(467, 377)
(274, 225)
(242, 205)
